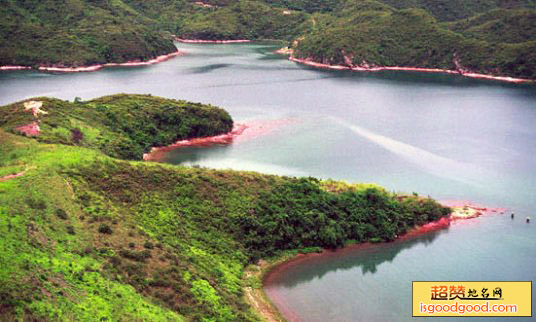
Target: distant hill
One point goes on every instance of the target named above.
(449, 10)
(121, 126)
(244, 20)
(485, 36)
(497, 26)
(500, 42)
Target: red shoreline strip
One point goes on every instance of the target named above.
(240, 132)
(93, 68)
(310, 62)
(157, 153)
(201, 41)
(305, 259)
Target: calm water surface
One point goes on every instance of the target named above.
(445, 136)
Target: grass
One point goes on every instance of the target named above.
(77, 33)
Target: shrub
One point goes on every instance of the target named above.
(76, 135)
(61, 214)
(115, 261)
(140, 256)
(70, 230)
(38, 204)
(105, 229)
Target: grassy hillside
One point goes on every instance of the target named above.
(499, 26)
(76, 33)
(122, 126)
(244, 19)
(450, 10)
(88, 237)
(372, 34)
(305, 5)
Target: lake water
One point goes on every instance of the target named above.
(445, 136)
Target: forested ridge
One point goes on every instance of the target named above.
(486, 36)
(121, 126)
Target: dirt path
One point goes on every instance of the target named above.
(256, 296)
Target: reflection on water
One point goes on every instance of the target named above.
(267, 82)
(367, 258)
(208, 68)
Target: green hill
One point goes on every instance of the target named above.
(244, 20)
(371, 34)
(122, 126)
(499, 26)
(236, 19)
(484, 36)
(305, 5)
(450, 10)
(84, 236)
(76, 33)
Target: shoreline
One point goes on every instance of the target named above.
(201, 41)
(157, 153)
(93, 68)
(240, 132)
(270, 270)
(310, 62)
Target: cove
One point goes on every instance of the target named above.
(373, 282)
(441, 135)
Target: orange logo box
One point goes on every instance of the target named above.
(465, 298)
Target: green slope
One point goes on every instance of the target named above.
(449, 10)
(486, 36)
(122, 126)
(375, 35)
(87, 237)
(244, 19)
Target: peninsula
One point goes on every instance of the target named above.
(487, 39)
(86, 233)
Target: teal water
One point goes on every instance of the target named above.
(374, 283)
(445, 136)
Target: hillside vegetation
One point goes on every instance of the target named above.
(450, 10)
(485, 36)
(245, 19)
(371, 34)
(76, 33)
(84, 236)
(121, 126)
(499, 26)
